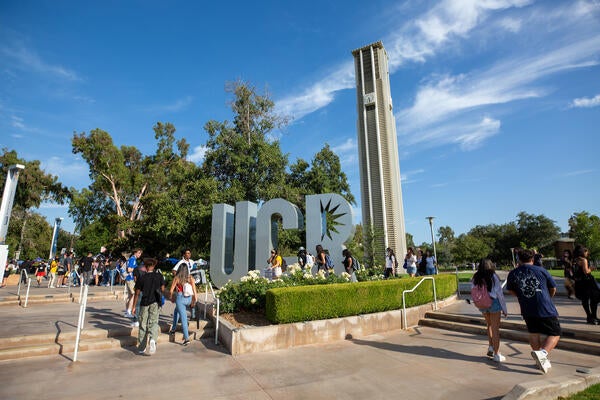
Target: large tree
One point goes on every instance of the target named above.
(537, 231)
(244, 157)
(499, 238)
(468, 248)
(122, 177)
(585, 229)
(34, 187)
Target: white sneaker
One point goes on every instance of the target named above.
(490, 352)
(499, 357)
(152, 347)
(128, 314)
(135, 324)
(541, 360)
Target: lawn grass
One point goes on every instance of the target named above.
(591, 393)
(558, 273)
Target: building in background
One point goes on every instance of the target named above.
(381, 192)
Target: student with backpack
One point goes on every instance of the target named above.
(487, 295)
(276, 263)
(350, 264)
(150, 287)
(321, 258)
(391, 263)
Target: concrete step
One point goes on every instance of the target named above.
(91, 339)
(593, 336)
(565, 343)
(14, 353)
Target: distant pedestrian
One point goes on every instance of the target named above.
(586, 288)
(567, 263)
(150, 287)
(53, 273)
(430, 263)
(486, 276)
(40, 272)
(302, 257)
(310, 261)
(276, 263)
(85, 266)
(68, 265)
(320, 258)
(349, 265)
(186, 259)
(130, 282)
(411, 262)
(390, 263)
(534, 288)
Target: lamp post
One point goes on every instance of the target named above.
(432, 239)
(54, 243)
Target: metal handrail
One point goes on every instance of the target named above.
(21, 279)
(207, 286)
(27, 294)
(81, 320)
(412, 290)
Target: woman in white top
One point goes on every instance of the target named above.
(411, 262)
(390, 263)
(486, 275)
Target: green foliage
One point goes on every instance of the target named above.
(499, 238)
(34, 185)
(30, 233)
(585, 229)
(537, 231)
(468, 248)
(305, 303)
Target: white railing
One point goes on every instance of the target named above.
(412, 290)
(81, 320)
(27, 294)
(208, 286)
(21, 280)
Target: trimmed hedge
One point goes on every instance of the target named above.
(307, 303)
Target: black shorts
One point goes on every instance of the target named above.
(546, 326)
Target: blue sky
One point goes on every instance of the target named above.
(497, 103)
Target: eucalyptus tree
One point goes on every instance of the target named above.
(243, 156)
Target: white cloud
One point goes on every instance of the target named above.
(347, 152)
(511, 24)
(576, 173)
(407, 177)
(444, 98)
(176, 106)
(17, 122)
(586, 102)
(70, 171)
(198, 154)
(413, 41)
(28, 59)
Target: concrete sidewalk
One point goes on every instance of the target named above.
(422, 363)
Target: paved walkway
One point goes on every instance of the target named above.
(422, 363)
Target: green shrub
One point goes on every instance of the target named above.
(306, 303)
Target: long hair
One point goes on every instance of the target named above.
(485, 273)
(579, 252)
(182, 275)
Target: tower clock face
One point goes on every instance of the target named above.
(369, 98)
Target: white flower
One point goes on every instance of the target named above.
(244, 278)
(253, 301)
(307, 276)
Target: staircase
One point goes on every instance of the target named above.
(60, 297)
(582, 341)
(13, 348)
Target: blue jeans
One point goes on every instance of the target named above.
(430, 270)
(181, 304)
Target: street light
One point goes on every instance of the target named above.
(54, 243)
(432, 239)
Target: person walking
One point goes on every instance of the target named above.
(534, 288)
(85, 265)
(567, 264)
(149, 287)
(411, 262)
(53, 273)
(183, 294)
(486, 276)
(586, 288)
(390, 263)
(130, 282)
(186, 260)
(430, 263)
(276, 263)
(349, 265)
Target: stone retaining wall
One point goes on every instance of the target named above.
(254, 339)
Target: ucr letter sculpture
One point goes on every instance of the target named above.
(242, 237)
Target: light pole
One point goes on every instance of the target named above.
(54, 243)
(432, 239)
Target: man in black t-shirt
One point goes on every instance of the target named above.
(85, 268)
(150, 286)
